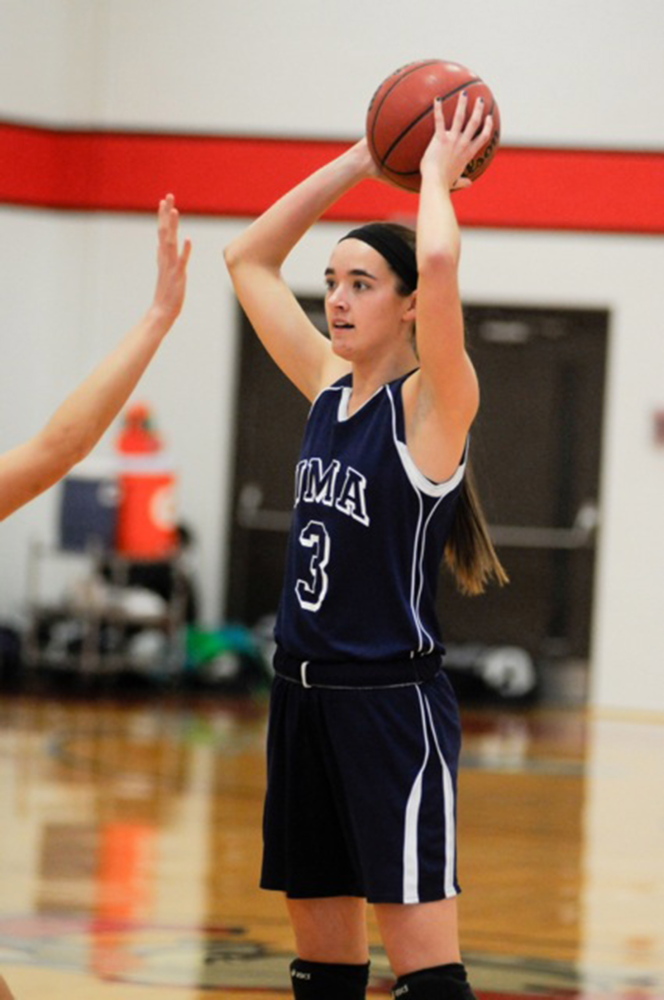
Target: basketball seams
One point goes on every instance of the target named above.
(397, 78)
(416, 121)
(477, 166)
(399, 75)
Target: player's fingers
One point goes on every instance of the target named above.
(460, 112)
(438, 118)
(473, 125)
(484, 134)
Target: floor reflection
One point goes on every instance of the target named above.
(131, 840)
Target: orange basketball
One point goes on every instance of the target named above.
(400, 117)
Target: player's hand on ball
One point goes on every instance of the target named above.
(366, 165)
(451, 150)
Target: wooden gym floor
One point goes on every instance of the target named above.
(130, 842)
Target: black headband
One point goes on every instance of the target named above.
(399, 255)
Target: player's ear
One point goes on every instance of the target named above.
(411, 307)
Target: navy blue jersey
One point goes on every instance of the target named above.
(367, 536)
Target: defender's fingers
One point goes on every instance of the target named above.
(186, 252)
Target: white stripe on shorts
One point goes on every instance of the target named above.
(410, 849)
(448, 801)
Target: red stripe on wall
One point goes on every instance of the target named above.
(525, 188)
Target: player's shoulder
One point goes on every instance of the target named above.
(336, 373)
(329, 389)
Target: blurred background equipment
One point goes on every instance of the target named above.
(146, 525)
(115, 593)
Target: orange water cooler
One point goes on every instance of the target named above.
(146, 524)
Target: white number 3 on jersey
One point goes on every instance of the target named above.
(311, 592)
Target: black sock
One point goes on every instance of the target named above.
(440, 982)
(328, 981)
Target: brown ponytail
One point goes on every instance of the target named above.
(469, 552)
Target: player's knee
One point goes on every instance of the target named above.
(327, 981)
(442, 982)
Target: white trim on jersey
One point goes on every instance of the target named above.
(344, 403)
(328, 388)
(421, 485)
(416, 604)
(417, 478)
(420, 482)
(415, 569)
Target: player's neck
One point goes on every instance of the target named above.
(367, 380)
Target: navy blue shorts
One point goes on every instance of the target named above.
(361, 792)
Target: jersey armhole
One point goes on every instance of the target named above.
(417, 478)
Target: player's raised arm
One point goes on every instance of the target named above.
(76, 426)
(255, 258)
(447, 385)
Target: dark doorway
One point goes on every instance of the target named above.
(270, 418)
(536, 453)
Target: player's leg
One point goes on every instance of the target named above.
(332, 948)
(422, 944)
(330, 930)
(418, 935)
(308, 852)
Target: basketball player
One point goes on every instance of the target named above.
(80, 421)
(364, 730)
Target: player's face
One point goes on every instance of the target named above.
(365, 313)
